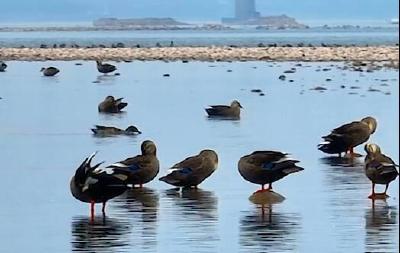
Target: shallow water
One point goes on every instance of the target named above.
(45, 134)
(315, 36)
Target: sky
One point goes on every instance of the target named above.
(191, 10)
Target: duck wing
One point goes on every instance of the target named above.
(179, 173)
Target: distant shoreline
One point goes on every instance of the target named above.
(380, 53)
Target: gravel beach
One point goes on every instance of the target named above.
(382, 53)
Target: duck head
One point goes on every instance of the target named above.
(210, 154)
(372, 149)
(148, 148)
(132, 129)
(371, 122)
(109, 98)
(42, 69)
(236, 103)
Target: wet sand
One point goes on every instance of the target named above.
(382, 53)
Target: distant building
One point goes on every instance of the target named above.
(246, 14)
(245, 10)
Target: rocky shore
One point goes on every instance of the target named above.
(390, 54)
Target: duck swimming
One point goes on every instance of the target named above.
(379, 168)
(346, 137)
(105, 68)
(50, 71)
(193, 170)
(227, 111)
(108, 131)
(266, 167)
(3, 66)
(111, 105)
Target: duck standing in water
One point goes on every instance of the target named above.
(105, 68)
(346, 137)
(193, 170)
(140, 169)
(226, 111)
(111, 105)
(92, 185)
(108, 131)
(3, 66)
(50, 71)
(266, 167)
(379, 168)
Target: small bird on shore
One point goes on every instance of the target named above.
(193, 170)
(92, 185)
(111, 105)
(346, 137)
(266, 167)
(232, 111)
(107, 130)
(379, 168)
(105, 68)
(50, 71)
(140, 169)
(3, 66)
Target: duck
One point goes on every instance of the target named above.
(109, 130)
(3, 66)
(105, 68)
(50, 71)
(348, 136)
(230, 111)
(379, 168)
(139, 169)
(112, 105)
(91, 184)
(193, 170)
(266, 167)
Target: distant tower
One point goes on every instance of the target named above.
(245, 9)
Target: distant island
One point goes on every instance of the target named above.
(137, 22)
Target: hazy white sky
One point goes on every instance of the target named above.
(87, 10)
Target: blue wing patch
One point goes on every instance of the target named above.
(133, 167)
(185, 171)
(268, 165)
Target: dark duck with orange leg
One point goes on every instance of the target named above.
(193, 170)
(140, 169)
(266, 167)
(346, 137)
(379, 168)
(92, 185)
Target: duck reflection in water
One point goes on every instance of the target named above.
(103, 234)
(335, 161)
(140, 206)
(139, 200)
(263, 229)
(381, 227)
(195, 201)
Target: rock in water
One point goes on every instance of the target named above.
(267, 197)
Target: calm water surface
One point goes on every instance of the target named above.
(316, 36)
(45, 134)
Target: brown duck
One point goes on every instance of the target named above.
(112, 105)
(266, 167)
(379, 168)
(140, 169)
(193, 170)
(109, 130)
(226, 111)
(348, 136)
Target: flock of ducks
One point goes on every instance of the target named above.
(96, 184)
